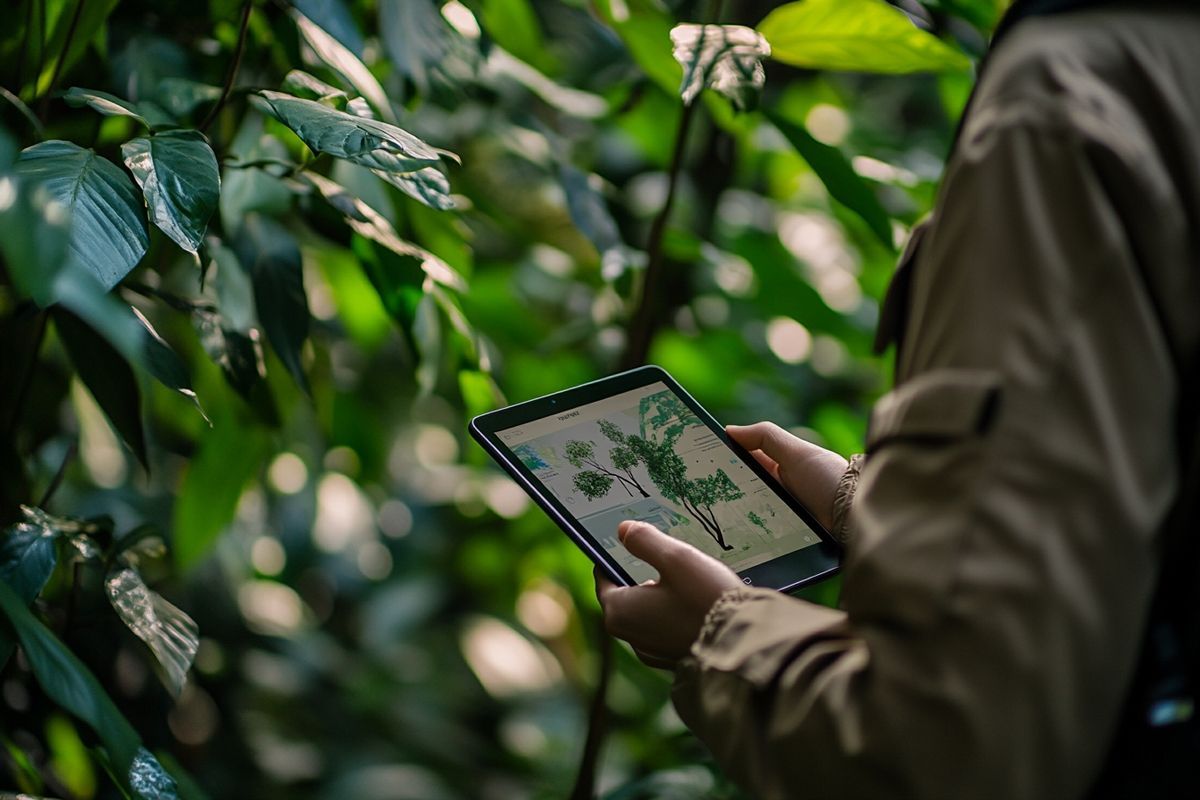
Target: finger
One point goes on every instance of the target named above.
(648, 543)
(768, 463)
(768, 437)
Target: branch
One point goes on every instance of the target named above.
(233, 68)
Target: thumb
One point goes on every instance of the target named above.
(768, 437)
(648, 543)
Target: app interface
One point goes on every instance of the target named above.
(645, 455)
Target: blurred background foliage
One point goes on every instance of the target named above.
(249, 550)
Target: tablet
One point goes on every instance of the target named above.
(637, 446)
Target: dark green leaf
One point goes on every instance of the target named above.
(270, 255)
(230, 455)
(72, 686)
(163, 363)
(855, 36)
(839, 177)
(27, 553)
(180, 97)
(169, 633)
(414, 35)
(371, 143)
(107, 104)
(107, 376)
(106, 228)
(239, 355)
(178, 175)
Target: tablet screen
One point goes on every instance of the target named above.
(643, 454)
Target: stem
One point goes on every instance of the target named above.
(58, 476)
(27, 377)
(16, 102)
(233, 67)
(585, 779)
(24, 42)
(62, 57)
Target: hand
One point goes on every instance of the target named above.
(810, 473)
(662, 618)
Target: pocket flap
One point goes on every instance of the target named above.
(941, 404)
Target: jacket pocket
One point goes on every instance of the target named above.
(927, 445)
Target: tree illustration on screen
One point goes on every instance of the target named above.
(595, 482)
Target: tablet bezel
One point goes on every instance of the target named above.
(813, 563)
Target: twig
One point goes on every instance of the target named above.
(58, 476)
(27, 378)
(62, 57)
(26, 112)
(233, 68)
(585, 779)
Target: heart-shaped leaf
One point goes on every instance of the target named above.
(855, 36)
(106, 231)
(178, 175)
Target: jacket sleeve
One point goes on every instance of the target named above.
(1005, 521)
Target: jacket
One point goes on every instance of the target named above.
(1002, 530)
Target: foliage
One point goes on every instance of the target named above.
(258, 264)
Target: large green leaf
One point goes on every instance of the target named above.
(106, 229)
(371, 143)
(855, 36)
(70, 684)
(835, 171)
(272, 258)
(230, 455)
(339, 58)
(178, 175)
(108, 376)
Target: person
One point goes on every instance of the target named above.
(1003, 531)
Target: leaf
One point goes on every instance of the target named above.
(855, 36)
(371, 143)
(108, 376)
(514, 24)
(80, 32)
(645, 29)
(246, 190)
(427, 186)
(342, 61)
(414, 36)
(169, 633)
(164, 364)
(335, 18)
(107, 104)
(480, 392)
(226, 461)
(27, 553)
(306, 86)
(834, 169)
(181, 97)
(270, 255)
(106, 228)
(33, 239)
(177, 172)
(588, 210)
(239, 355)
(366, 221)
(727, 58)
(70, 684)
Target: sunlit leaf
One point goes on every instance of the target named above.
(70, 684)
(337, 57)
(835, 171)
(428, 186)
(335, 18)
(27, 553)
(108, 376)
(727, 58)
(514, 24)
(71, 37)
(107, 227)
(415, 37)
(163, 363)
(308, 87)
(366, 221)
(169, 633)
(229, 456)
(69, 757)
(855, 36)
(371, 143)
(107, 104)
(178, 175)
(270, 255)
(480, 392)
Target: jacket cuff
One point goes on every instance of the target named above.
(843, 498)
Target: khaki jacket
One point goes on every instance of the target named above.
(1002, 538)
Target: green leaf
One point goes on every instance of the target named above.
(106, 228)
(239, 355)
(33, 239)
(246, 190)
(305, 86)
(335, 19)
(480, 392)
(70, 684)
(646, 31)
(178, 175)
(270, 255)
(229, 457)
(588, 210)
(163, 363)
(27, 553)
(108, 376)
(371, 143)
(414, 36)
(81, 32)
(338, 58)
(427, 186)
(514, 24)
(181, 97)
(69, 757)
(107, 104)
(366, 221)
(169, 633)
(835, 171)
(855, 36)
(727, 58)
